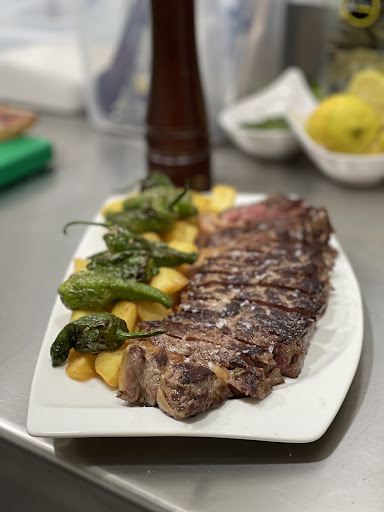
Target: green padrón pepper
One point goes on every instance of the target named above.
(168, 197)
(98, 290)
(92, 334)
(130, 264)
(156, 179)
(139, 220)
(120, 239)
(124, 244)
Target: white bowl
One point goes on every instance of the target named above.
(271, 102)
(347, 168)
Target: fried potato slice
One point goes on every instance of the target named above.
(169, 280)
(80, 367)
(107, 365)
(223, 198)
(201, 202)
(151, 235)
(182, 231)
(148, 311)
(183, 247)
(127, 311)
(114, 206)
(80, 264)
(75, 315)
(179, 245)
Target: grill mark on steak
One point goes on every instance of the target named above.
(287, 300)
(276, 279)
(307, 224)
(238, 360)
(309, 269)
(247, 315)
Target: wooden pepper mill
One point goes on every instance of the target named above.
(176, 125)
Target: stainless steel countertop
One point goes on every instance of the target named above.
(343, 471)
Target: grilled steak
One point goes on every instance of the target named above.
(151, 375)
(245, 319)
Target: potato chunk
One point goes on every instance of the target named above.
(114, 206)
(223, 198)
(183, 231)
(151, 235)
(201, 202)
(80, 264)
(183, 247)
(107, 365)
(169, 280)
(127, 311)
(79, 313)
(80, 367)
(150, 311)
(179, 245)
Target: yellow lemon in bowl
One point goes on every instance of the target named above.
(368, 85)
(345, 123)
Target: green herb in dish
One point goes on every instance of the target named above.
(278, 123)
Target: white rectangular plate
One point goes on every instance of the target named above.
(299, 411)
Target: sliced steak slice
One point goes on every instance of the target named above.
(269, 249)
(308, 224)
(245, 369)
(272, 207)
(274, 278)
(287, 300)
(252, 323)
(290, 256)
(290, 266)
(152, 376)
(267, 329)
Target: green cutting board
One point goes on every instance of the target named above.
(22, 156)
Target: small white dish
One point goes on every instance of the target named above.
(346, 168)
(271, 102)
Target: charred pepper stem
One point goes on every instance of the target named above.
(92, 334)
(99, 290)
(87, 223)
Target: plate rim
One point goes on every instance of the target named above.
(48, 421)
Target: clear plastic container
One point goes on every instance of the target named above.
(232, 36)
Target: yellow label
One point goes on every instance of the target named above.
(361, 14)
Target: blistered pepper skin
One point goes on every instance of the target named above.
(136, 264)
(98, 291)
(163, 196)
(92, 334)
(120, 239)
(140, 220)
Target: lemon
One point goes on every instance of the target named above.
(377, 145)
(368, 84)
(343, 122)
